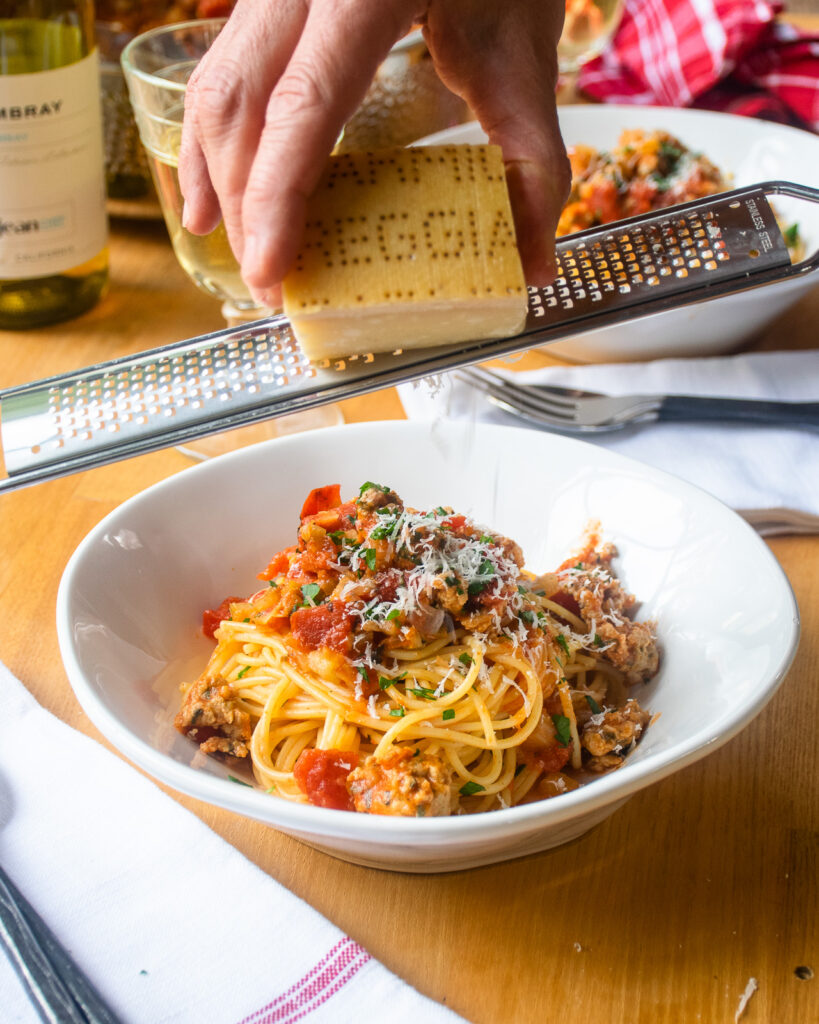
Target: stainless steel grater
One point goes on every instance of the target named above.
(174, 394)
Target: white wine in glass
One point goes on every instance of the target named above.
(207, 259)
(157, 66)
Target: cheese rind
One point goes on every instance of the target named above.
(407, 248)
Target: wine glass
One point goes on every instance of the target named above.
(157, 65)
(587, 28)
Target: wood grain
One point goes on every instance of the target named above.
(661, 915)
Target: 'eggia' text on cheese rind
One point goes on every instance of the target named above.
(406, 248)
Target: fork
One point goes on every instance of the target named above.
(573, 411)
(57, 988)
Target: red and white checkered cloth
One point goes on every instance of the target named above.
(717, 54)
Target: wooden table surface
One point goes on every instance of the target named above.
(661, 914)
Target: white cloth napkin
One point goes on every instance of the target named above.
(168, 921)
(755, 470)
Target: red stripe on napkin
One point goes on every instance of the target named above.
(717, 54)
(322, 981)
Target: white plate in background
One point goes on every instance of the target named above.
(747, 150)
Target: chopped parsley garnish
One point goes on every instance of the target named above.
(384, 682)
(563, 730)
(385, 530)
(791, 235)
(272, 583)
(369, 558)
(486, 539)
(598, 640)
(471, 788)
(595, 707)
(670, 150)
(465, 659)
(448, 714)
(244, 671)
(527, 616)
(336, 536)
(562, 641)
(424, 693)
(397, 712)
(391, 616)
(239, 781)
(370, 486)
(486, 568)
(310, 591)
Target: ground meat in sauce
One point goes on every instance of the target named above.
(402, 784)
(210, 716)
(628, 645)
(609, 735)
(372, 498)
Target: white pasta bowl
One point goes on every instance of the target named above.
(130, 603)
(747, 151)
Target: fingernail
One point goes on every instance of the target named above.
(185, 215)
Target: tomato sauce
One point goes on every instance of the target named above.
(211, 617)
(321, 498)
(278, 565)
(327, 625)
(548, 759)
(322, 776)
(568, 602)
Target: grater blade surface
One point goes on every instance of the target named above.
(236, 376)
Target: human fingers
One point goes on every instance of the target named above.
(336, 58)
(502, 59)
(225, 106)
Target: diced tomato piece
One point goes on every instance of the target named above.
(604, 202)
(454, 522)
(278, 564)
(387, 582)
(320, 499)
(566, 601)
(316, 560)
(342, 517)
(642, 196)
(327, 625)
(211, 617)
(322, 776)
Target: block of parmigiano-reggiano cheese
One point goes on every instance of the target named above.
(405, 248)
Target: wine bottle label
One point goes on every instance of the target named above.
(52, 172)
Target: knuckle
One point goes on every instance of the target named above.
(300, 92)
(220, 96)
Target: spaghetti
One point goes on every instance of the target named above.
(403, 662)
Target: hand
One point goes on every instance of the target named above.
(268, 101)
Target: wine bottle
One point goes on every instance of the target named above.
(53, 225)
